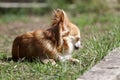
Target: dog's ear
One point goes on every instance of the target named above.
(60, 17)
(60, 26)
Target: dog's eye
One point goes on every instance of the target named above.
(77, 38)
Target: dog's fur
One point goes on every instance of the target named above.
(57, 42)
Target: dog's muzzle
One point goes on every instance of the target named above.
(78, 45)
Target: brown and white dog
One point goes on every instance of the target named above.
(56, 43)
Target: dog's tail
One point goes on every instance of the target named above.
(15, 49)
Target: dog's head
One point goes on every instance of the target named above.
(67, 27)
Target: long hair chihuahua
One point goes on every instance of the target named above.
(56, 42)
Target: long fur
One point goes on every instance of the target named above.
(53, 43)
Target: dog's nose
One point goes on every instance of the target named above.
(81, 46)
(78, 45)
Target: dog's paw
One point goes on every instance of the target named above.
(46, 61)
(74, 60)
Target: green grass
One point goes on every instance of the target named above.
(100, 34)
(7, 18)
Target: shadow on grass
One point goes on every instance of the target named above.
(4, 58)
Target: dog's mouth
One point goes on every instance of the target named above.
(76, 48)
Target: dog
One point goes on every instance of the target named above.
(54, 43)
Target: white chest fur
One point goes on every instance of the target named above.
(67, 53)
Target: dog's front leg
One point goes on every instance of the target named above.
(68, 58)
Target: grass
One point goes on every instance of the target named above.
(100, 34)
(7, 18)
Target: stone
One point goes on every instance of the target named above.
(107, 69)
